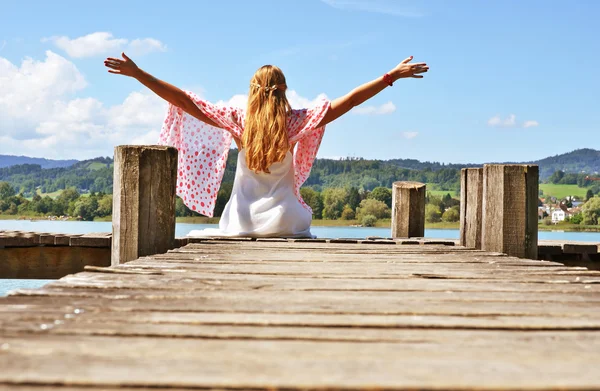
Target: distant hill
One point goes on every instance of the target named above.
(578, 161)
(49, 176)
(10, 160)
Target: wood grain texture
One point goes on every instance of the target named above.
(292, 315)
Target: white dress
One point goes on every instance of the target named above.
(262, 205)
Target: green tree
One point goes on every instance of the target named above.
(433, 213)
(105, 206)
(6, 191)
(589, 194)
(353, 199)
(333, 203)
(591, 211)
(451, 215)
(314, 200)
(368, 221)
(372, 207)
(382, 194)
(576, 218)
(348, 213)
(556, 177)
(85, 208)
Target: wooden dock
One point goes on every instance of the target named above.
(291, 315)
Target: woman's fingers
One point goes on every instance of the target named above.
(406, 61)
(125, 56)
(112, 65)
(413, 76)
(111, 71)
(114, 60)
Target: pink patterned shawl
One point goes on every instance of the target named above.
(203, 149)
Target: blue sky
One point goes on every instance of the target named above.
(509, 80)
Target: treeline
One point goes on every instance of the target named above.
(68, 204)
(89, 176)
(581, 180)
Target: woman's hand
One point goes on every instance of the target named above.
(405, 69)
(124, 67)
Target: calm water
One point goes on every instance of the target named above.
(81, 227)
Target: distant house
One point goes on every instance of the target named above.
(558, 215)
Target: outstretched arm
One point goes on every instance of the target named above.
(168, 92)
(344, 104)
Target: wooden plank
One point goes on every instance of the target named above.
(293, 315)
(49, 262)
(91, 240)
(571, 248)
(467, 360)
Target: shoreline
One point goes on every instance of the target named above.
(383, 223)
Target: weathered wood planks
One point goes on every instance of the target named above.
(307, 315)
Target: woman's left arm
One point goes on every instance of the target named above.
(167, 91)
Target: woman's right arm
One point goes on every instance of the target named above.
(168, 92)
(357, 96)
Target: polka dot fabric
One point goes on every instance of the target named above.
(203, 149)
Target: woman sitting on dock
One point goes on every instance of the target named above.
(277, 147)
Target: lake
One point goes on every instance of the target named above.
(181, 229)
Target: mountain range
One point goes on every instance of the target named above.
(584, 160)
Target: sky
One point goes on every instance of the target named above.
(509, 80)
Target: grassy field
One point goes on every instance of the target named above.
(98, 166)
(562, 191)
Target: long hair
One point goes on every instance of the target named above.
(265, 135)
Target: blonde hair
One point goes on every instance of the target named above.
(265, 135)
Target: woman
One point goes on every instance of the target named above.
(277, 147)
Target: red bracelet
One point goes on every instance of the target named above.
(388, 79)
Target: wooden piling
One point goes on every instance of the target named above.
(510, 198)
(143, 201)
(408, 209)
(471, 200)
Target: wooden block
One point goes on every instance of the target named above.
(91, 240)
(64, 239)
(27, 240)
(440, 242)
(408, 209)
(510, 219)
(309, 240)
(145, 178)
(378, 241)
(180, 242)
(471, 200)
(47, 239)
(271, 240)
(344, 240)
(407, 241)
(574, 248)
(549, 250)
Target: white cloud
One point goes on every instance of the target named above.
(410, 135)
(389, 7)
(530, 124)
(510, 122)
(41, 116)
(30, 91)
(103, 43)
(386, 108)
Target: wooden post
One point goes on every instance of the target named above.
(408, 209)
(471, 200)
(144, 184)
(510, 199)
